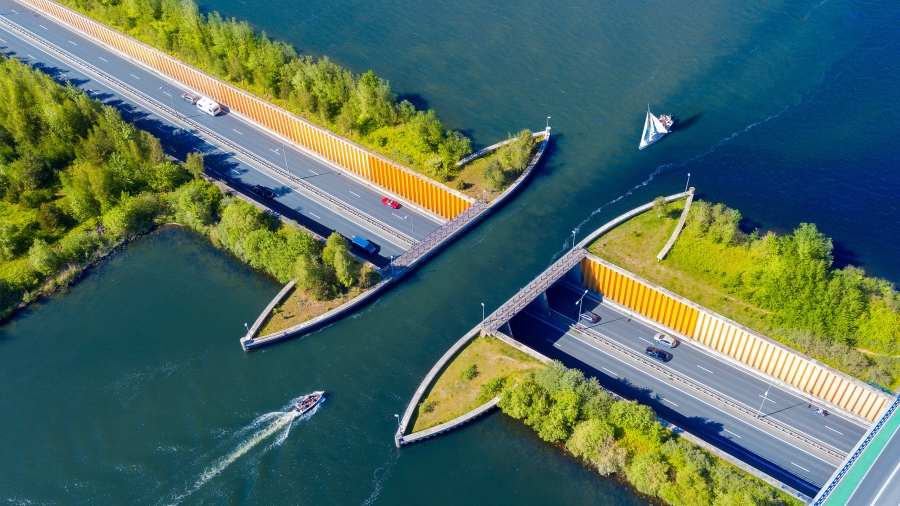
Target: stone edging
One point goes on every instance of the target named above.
(615, 222)
(483, 151)
(687, 207)
(447, 426)
(429, 378)
(251, 332)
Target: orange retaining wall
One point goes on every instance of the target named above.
(732, 339)
(400, 180)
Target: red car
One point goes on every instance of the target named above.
(390, 203)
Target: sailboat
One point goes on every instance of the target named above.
(655, 128)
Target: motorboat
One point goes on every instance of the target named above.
(309, 401)
(655, 128)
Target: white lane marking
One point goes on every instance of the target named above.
(698, 399)
(397, 215)
(732, 433)
(705, 369)
(14, 12)
(839, 432)
(42, 26)
(168, 94)
(801, 467)
(237, 131)
(32, 57)
(670, 402)
(274, 151)
(642, 339)
(888, 482)
(74, 44)
(134, 76)
(766, 398)
(873, 466)
(607, 370)
(354, 193)
(104, 59)
(317, 217)
(314, 172)
(3, 41)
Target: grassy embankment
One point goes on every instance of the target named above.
(458, 389)
(611, 436)
(76, 182)
(361, 107)
(785, 287)
(487, 177)
(301, 306)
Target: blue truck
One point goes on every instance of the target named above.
(367, 246)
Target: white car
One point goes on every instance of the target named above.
(209, 106)
(665, 340)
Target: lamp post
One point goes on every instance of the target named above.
(765, 398)
(412, 222)
(482, 315)
(169, 93)
(579, 304)
(688, 182)
(248, 328)
(573, 238)
(392, 265)
(284, 152)
(398, 420)
(548, 122)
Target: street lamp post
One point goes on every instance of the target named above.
(573, 238)
(284, 152)
(579, 304)
(765, 398)
(412, 222)
(392, 265)
(688, 182)
(482, 315)
(548, 122)
(248, 328)
(169, 93)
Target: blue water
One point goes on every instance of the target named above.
(131, 388)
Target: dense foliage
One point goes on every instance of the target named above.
(619, 436)
(362, 107)
(509, 161)
(76, 180)
(807, 302)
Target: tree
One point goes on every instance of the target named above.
(648, 472)
(557, 424)
(660, 206)
(194, 164)
(589, 438)
(337, 255)
(42, 258)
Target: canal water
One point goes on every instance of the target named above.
(132, 388)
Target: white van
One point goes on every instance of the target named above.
(209, 106)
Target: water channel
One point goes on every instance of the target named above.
(131, 388)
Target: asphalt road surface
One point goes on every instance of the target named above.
(744, 437)
(305, 209)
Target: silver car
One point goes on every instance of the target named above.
(665, 340)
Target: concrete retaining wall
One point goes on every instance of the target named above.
(671, 242)
(268, 310)
(341, 152)
(732, 339)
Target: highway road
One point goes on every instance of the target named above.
(881, 483)
(779, 455)
(306, 208)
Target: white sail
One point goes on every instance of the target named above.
(653, 130)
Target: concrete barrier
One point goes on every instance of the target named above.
(671, 242)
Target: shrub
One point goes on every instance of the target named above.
(469, 372)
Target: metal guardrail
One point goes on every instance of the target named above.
(434, 239)
(537, 286)
(223, 141)
(724, 399)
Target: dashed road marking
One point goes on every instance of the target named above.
(32, 57)
(839, 432)
(317, 217)
(766, 398)
(646, 341)
(74, 44)
(3, 41)
(314, 172)
(354, 193)
(134, 76)
(44, 27)
(705, 369)
(801, 467)
(607, 370)
(397, 215)
(732, 433)
(168, 93)
(14, 12)
(238, 132)
(104, 59)
(670, 402)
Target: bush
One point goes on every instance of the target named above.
(133, 216)
(469, 372)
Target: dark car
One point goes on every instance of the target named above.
(366, 245)
(264, 192)
(589, 316)
(191, 98)
(658, 354)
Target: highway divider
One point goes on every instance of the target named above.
(327, 145)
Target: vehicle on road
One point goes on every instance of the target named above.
(821, 412)
(190, 98)
(589, 316)
(264, 192)
(658, 354)
(366, 245)
(665, 340)
(309, 401)
(209, 106)
(390, 203)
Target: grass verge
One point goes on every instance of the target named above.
(300, 306)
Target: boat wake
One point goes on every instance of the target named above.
(276, 423)
(565, 246)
